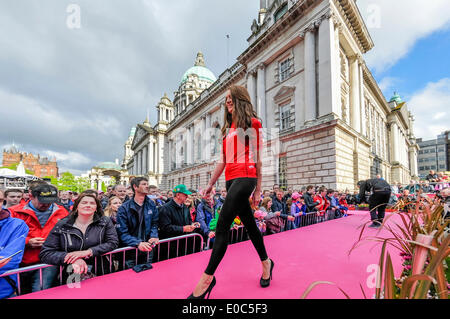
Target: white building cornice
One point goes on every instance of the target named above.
(355, 23)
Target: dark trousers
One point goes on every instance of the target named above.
(380, 199)
(236, 204)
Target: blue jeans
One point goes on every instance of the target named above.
(290, 225)
(48, 278)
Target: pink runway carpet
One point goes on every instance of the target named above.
(314, 253)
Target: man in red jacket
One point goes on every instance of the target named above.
(40, 214)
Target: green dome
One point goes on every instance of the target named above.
(202, 72)
(396, 98)
(109, 165)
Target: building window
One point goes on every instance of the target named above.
(199, 147)
(285, 67)
(282, 172)
(208, 177)
(280, 12)
(285, 117)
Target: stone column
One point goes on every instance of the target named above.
(193, 143)
(140, 162)
(137, 163)
(354, 94)
(261, 93)
(310, 74)
(190, 147)
(413, 161)
(337, 64)
(251, 87)
(207, 137)
(202, 138)
(361, 100)
(93, 178)
(99, 188)
(169, 155)
(394, 143)
(328, 88)
(151, 164)
(146, 163)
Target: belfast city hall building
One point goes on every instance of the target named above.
(325, 119)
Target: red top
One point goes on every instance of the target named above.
(322, 207)
(240, 157)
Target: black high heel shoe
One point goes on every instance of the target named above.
(208, 291)
(266, 282)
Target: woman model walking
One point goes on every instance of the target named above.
(241, 160)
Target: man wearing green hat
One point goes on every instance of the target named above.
(174, 217)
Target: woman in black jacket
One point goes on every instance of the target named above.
(81, 236)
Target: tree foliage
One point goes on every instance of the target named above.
(68, 182)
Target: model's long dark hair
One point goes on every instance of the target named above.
(243, 110)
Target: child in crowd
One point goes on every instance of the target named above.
(297, 209)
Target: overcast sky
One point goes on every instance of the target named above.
(75, 93)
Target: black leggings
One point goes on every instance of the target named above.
(236, 204)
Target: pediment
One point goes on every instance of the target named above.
(141, 134)
(284, 92)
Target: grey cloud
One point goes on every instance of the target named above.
(81, 90)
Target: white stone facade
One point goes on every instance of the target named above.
(327, 120)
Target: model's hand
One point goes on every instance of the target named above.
(256, 197)
(207, 191)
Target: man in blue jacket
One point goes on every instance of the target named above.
(137, 221)
(13, 232)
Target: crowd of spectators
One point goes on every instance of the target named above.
(432, 185)
(42, 225)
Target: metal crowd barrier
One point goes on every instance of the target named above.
(123, 250)
(235, 236)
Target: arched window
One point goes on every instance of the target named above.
(280, 12)
(215, 140)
